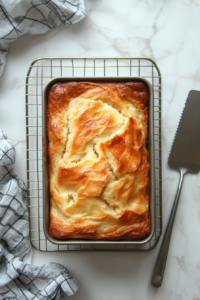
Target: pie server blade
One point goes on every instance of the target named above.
(185, 157)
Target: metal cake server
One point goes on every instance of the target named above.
(185, 157)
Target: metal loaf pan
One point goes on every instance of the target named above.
(46, 195)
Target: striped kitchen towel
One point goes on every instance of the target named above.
(18, 278)
(18, 17)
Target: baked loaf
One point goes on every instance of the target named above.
(98, 160)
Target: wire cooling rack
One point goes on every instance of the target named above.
(41, 71)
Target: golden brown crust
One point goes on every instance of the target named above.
(98, 161)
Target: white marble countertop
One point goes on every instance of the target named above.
(168, 33)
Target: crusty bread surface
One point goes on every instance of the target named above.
(98, 160)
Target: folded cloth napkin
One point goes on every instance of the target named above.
(18, 17)
(18, 278)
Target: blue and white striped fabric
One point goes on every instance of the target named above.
(18, 278)
(18, 17)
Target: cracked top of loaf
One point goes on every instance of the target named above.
(98, 160)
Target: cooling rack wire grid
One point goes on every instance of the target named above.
(41, 71)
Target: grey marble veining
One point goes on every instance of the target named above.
(168, 33)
